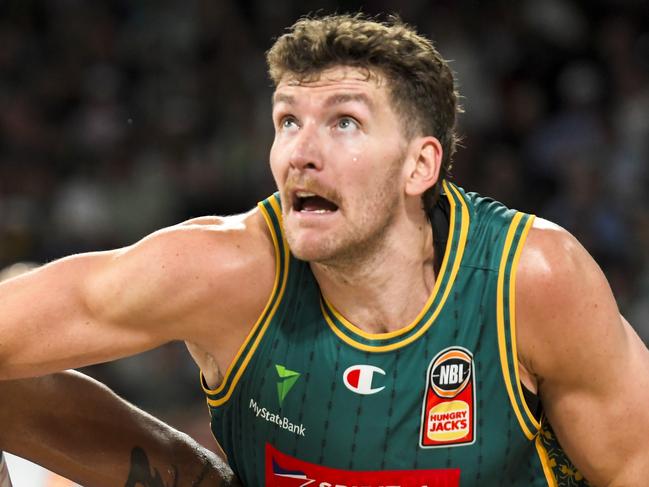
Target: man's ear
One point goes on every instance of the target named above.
(426, 153)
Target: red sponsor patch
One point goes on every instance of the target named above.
(285, 471)
(448, 411)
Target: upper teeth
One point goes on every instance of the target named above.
(304, 194)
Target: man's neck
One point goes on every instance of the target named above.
(386, 289)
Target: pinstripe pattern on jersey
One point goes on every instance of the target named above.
(324, 421)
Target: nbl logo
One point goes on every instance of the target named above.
(451, 373)
(448, 411)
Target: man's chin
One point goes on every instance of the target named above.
(310, 250)
(310, 253)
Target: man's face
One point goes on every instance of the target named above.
(337, 159)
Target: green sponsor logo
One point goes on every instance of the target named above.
(287, 379)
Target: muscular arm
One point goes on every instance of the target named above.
(204, 282)
(590, 367)
(77, 427)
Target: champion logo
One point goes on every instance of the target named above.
(359, 378)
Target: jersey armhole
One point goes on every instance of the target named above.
(506, 322)
(271, 211)
(533, 402)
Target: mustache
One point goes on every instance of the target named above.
(312, 186)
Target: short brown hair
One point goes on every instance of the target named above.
(421, 83)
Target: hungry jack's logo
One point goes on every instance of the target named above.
(287, 379)
(448, 411)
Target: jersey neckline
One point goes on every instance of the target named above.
(383, 342)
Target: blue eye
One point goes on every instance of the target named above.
(347, 123)
(287, 122)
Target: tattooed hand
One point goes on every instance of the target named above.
(141, 475)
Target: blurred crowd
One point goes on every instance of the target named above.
(120, 117)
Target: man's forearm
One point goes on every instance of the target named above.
(80, 429)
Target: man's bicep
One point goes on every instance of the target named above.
(101, 306)
(83, 309)
(135, 288)
(201, 283)
(148, 294)
(591, 368)
(599, 412)
(47, 322)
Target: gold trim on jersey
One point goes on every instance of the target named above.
(515, 400)
(266, 316)
(461, 244)
(545, 462)
(512, 321)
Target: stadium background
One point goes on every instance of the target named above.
(120, 117)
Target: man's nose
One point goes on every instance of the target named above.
(307, 152)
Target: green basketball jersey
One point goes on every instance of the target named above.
(311, 399)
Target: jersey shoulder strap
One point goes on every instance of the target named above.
(272, 213)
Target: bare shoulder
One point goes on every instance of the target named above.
(563, 301)
(551, 252)
(213, 246)
(200, 236)
(230, 255)
(234, 257)
(204, 274)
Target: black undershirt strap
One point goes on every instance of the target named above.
(440, 217)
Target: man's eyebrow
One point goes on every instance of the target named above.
(282, 98)
(339, 99)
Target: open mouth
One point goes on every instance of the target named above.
(306, 202)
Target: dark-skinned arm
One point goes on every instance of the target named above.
(77, 427)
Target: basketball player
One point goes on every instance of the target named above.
(76, 426)
(371, 323)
